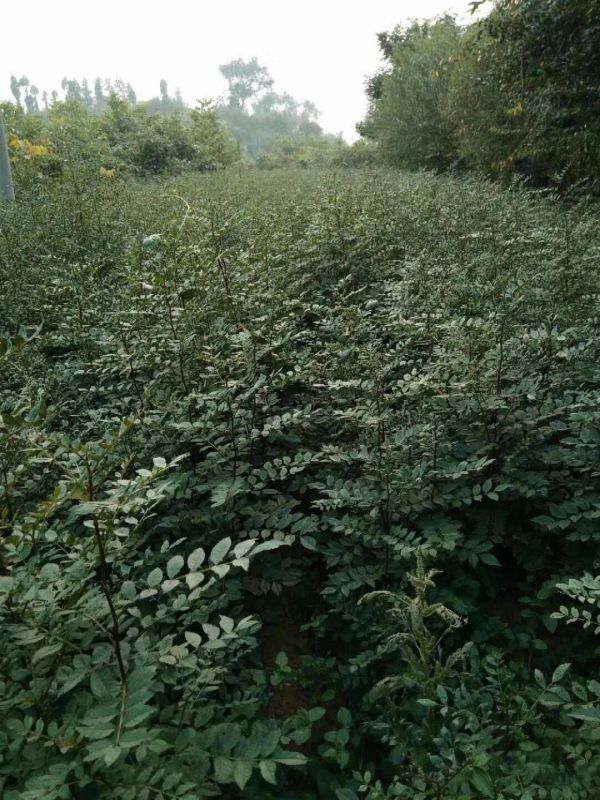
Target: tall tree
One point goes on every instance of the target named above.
(15, 88)
(99, 98)
(72, 89)
(164, 93)
(31, 101)
(527, 97)
(86, 94)
(408, 115)
(246, 80)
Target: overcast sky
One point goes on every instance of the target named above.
(319, 50)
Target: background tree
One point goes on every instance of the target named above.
(73, 90)
(257, 115)
(249, 122)
(526, 97)
(513, 93)
(99, 98)
(213, 142)
(164, 92)
(86, 94)
(408, 115)
(31, 101)
(246, 80)
(15, 88)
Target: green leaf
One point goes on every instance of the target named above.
(211, 631)
(243, 547)
(269, 742)
(594, 687)
(481, 780)
(44, 652)
(134, 737)
(174, 566)
(268, 770)
(96, 732)
(224, 492)
(289, 758)
(223, 769)
(344, 717)
(71, 680)
(586, 714)
(220, 550)
(194, 579)
(193, 638)
(281, 659)
(50, 572)
(97, 685)
(226, 623)
(111, 754)
(442, 694)
(196, 559)
(490, 559)
(155, 577)
(242, 772)
(539, 679)
(271, 544)
(346, 794)
(560, 672)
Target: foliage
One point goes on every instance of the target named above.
(585, 591)
(95, 101)
(234, 404)
(214, 144)
(245, 79)
(130, 141)
(515, 92)
(260, 118)
(409, 101)
(163, 135)
(308, 151)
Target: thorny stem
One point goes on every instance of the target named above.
(116, 631)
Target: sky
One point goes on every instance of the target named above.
(319, 50)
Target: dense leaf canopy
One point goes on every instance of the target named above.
(242, 417)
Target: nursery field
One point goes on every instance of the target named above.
(299, 489)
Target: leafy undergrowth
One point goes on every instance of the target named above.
(299, 489)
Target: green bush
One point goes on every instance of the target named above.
(128, 140)
(514, 93)
(409, 101)
(235, 406)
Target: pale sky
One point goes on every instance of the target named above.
(319, 50)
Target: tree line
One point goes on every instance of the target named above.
(514, 93)
(106, 126)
